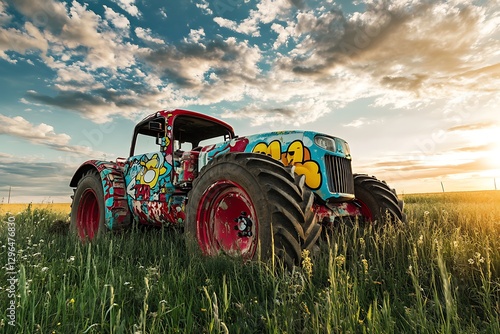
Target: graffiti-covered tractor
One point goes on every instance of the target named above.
(251, 196)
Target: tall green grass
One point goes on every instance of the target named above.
(438, 273)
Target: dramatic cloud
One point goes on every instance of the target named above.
(42, 134)
(409, 52)
(202, 69)
(21, 41)
(118, 20)
(403, 54)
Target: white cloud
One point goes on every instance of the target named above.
(356, 123)
(75, 77)
(21, 41)
(225, 23)
(42, 134)
(361, 122)
(267, 11)
(146, 35)
(195, 35)
(128, 6)
(118, 20)
(39, 134)
(205, 7)
(283, 34)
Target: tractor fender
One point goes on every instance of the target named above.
(116, 210)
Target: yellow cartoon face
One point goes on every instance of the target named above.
(151, 171)
(295, 153)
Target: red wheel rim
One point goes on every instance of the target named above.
(217, 220)
(88, 216)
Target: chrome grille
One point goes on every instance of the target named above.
(340, 179)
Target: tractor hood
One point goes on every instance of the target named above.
(324, 160)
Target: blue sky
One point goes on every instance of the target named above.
(413, 86)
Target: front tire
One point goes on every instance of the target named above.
(87, 209)
(250, 205)
(376, 200)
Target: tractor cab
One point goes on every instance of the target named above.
(163, 158)
(190, 133)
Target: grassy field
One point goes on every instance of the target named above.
(438, 273)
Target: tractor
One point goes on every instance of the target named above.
(255, 197)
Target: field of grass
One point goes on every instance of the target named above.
(438, 273)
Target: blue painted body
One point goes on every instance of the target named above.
(292, 148)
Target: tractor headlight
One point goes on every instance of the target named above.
(347, 149)
(325, 142)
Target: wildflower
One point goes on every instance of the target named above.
(471, 261)
(478, 257)
(71, 259)
(340, 260)
(420, 240)
(362, 242)
(44, 269)
(365, 265)
(307, 263)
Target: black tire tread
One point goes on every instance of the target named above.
(386, 198)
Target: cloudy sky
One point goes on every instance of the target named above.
(412, 85)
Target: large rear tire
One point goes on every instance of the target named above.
(243, 204)
(377, 202)
(87, 209)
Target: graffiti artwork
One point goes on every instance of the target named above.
(295, 154)
(148, 178)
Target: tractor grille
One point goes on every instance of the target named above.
(340, 179)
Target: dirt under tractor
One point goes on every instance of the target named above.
(252, 196)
